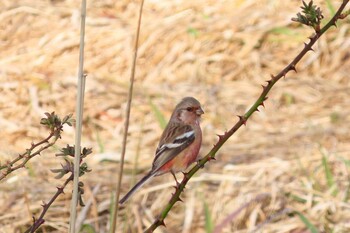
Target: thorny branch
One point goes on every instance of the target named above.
(55, 124)
(38, 222)
(259, 102)
(67, 168)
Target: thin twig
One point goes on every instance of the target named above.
(9, 166)
(128, 108)
(79, 119)
(243, 119)
(38, 222)
(56, 127)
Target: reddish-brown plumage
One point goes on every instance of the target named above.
(179, 144)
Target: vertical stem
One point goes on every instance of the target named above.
(79, 117)
(128, 107)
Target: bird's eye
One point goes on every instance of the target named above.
(189, 109)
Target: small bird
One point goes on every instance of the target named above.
(179, 144)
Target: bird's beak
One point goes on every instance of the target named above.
(199, 111)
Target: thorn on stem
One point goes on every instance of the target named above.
(60, 189)
(162, 223)
(309, 49)
(344, 15)
(292, 67)
(43, 204)
(242, 118)
(221, 136)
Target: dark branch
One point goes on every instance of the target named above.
(242, 119)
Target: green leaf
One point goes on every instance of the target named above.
(328, 172)
(31, 170)
(192, 31)
(312, 16)
(307, 223)
(209, 226)
(87, 228)
(100, 142)
(296, 198)
(283, 31)
(160, 117)
(330, 7)
(111, 210)
(329, 175)
(335, 117)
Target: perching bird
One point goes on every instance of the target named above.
(179, 144)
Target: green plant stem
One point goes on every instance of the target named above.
(243, 119)
(79, 120)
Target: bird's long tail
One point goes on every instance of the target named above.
(137, 186)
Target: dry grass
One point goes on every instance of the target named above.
(217, 51)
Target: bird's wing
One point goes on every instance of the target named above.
(180, 137)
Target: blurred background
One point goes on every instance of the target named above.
(292, 156)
